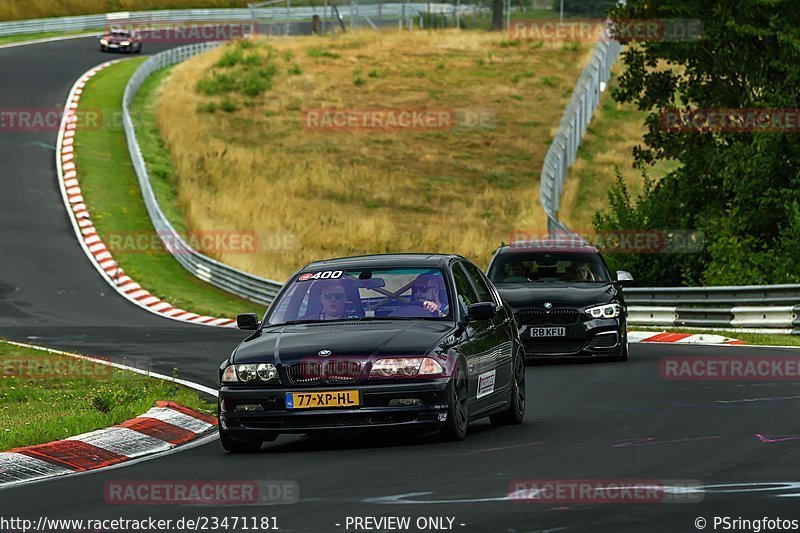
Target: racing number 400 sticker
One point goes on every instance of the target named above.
(485, 384)
(326, 274)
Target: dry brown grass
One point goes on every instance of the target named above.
(462, 190)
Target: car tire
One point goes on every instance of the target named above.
(455, 428)
(515, 413)
(238, 446)
(624, 355)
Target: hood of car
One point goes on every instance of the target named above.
(367, 340)
(519, 295)
(117, 39)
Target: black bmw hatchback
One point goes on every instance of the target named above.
(375, 342)
(563, 298)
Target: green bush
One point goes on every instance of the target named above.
(318, 52)
(230, 58)
(228, 106)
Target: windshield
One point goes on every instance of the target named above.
(360, 294)
(548, 267)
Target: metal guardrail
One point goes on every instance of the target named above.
(225, 277)
(753, 306)
(710, 296)
(574, 122)
(143, 18)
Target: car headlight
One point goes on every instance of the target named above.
(125, 43)
(104, 41)
(605, 311)
(264, 372)
(405, 366)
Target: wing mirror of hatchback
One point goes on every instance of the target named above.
(248, 321)
(624, 278)
(481, 311)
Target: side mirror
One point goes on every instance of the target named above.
(247, 321)
(624, 278)
(481, 311)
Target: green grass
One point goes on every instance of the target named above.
(46, 397)
(317, 53)
(114, 199)
(757, 339)
(7, 39)
(608, 145)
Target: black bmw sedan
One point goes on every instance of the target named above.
(564, 300)
(413, 341)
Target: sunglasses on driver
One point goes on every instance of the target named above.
(333, 296)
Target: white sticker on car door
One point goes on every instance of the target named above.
(485, 384)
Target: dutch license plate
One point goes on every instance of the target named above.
(311, 400)
(548, 332)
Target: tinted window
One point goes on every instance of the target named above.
(466, 294)
(484, 293)
(548, 267)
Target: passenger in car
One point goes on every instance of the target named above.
(578, 271)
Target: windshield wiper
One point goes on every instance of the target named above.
(295, 322)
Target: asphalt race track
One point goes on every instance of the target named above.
(595, 421)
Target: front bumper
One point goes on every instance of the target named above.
(595, 338)
(373, 413)
(111, 47)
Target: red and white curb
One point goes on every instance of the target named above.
(162, 428)
(679, 338)
(90, 241)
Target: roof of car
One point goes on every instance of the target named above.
(385, 260)
(549, 245)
